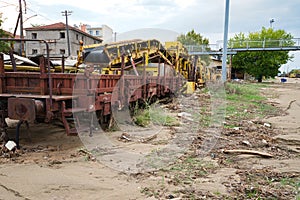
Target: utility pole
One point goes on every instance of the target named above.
(21, 28)
(224, 56)
(66, 14)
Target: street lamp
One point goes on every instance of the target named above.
(271, 22)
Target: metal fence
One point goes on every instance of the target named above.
(244, 45)
(267, 43)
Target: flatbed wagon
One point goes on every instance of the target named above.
(44, 96)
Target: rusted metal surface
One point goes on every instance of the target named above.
(2, 75)
(47, 57)
(21, 109)
(45, 96)
(90, 90)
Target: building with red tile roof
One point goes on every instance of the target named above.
(56, 36)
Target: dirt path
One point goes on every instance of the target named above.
(43, 170)
(287, 125)
(52, 165)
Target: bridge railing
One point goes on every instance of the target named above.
(267, 43)
(247, 45)
(202, 48)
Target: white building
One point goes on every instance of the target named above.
(104, 32)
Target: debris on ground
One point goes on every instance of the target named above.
(148, 139)
(125, 137)
(245, 151)
(10, 145)
(249, 167)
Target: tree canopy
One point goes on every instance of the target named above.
(261, 63)
(4, 46)
(192, 38)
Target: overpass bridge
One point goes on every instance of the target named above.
(246, 45)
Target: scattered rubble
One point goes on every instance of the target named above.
(125, 137)
(245, 151)
(10, 145)
(241, 150)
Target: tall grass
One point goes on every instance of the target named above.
(245, 101)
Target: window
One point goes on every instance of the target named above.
(77, 38)
(33, 35)
(62, 51)
(97, 33)
(91, 32)
(62, 35)
(34, 51)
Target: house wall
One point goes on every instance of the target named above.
(105, 33)
(17, 47)
(58, 45)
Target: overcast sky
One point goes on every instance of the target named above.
(179, 16)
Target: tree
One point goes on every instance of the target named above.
(4, 46)
(192, 38)
(261, 63)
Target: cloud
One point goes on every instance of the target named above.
(205, 17)
(157, 3)
(162, 35)
(119, 14)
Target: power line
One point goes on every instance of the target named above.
(5, 6)
(39, 14)
(11, 4)
(26, 8)
(8, 4)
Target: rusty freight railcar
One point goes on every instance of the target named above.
(44, 95)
